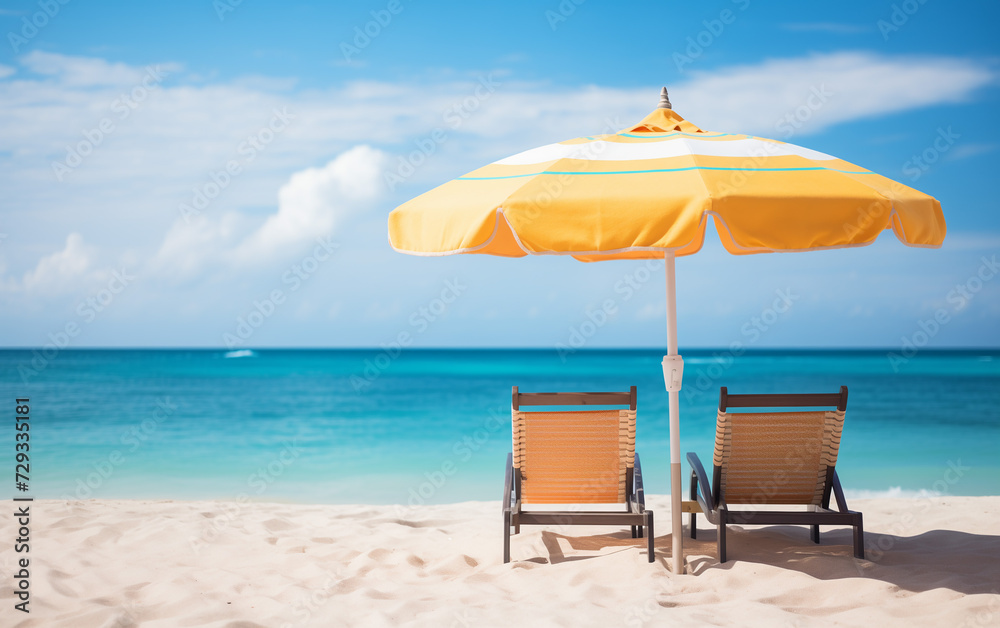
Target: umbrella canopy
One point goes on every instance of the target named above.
(648, 191)
(651, 188)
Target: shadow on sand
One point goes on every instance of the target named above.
(962, 562)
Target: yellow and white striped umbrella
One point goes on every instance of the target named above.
(648, 191)
(651, 188)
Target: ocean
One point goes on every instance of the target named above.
(433, 426)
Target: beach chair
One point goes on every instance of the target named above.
(574, 457)
(767, 458)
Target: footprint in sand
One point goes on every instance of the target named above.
(456, 565)
(415, 560)
(277, 525)
(104, 536)
(379, 554)
(378, 595)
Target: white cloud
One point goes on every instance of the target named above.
(965, 151)
(123, 199)
(311, 204)
(62, 269)
(84, 71)
(858, 85)
(313, 201)
(189, 249)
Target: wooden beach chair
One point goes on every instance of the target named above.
(766, 458)
(574, 457)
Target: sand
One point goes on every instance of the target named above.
(144, 563)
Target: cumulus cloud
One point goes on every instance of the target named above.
(313, 201)
(311, 204)
(189, 249)
(159, 150)
(62, 269)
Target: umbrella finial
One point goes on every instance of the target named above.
(664, 100)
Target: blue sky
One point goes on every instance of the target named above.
(120, 120)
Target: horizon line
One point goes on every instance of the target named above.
(479, 348)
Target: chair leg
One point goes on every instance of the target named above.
(649, 533)
(814, 534)
(639, 531)
(506, 536)
(693, 518)
(633, 532)
(722, 541)
(859, 539)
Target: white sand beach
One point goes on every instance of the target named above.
(102, 563)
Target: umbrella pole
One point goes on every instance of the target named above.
(673, 371)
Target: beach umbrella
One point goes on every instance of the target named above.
(649, 191)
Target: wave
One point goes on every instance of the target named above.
(893, 492)
(241, 353)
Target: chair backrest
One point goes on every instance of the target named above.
(574, 456)
(778, 457)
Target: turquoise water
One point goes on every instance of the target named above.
(350, 426)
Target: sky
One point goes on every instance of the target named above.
(218, 174)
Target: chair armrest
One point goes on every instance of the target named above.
(704, 495)
(639, 493)
(838, 493)
(508, 479)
